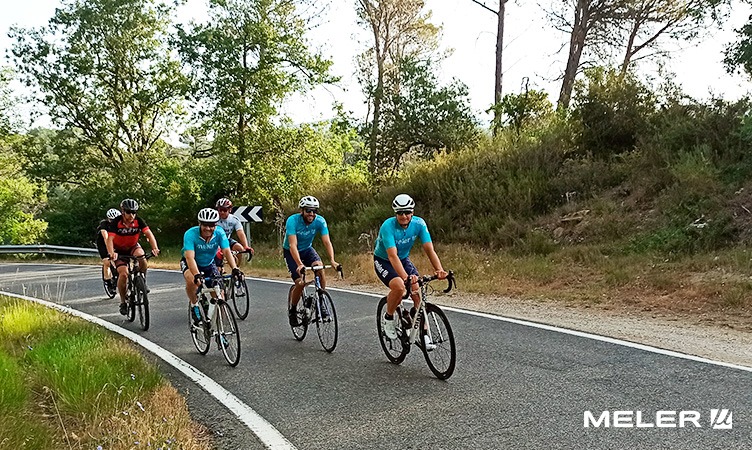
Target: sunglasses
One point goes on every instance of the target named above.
(208, 225)
(129, 211)
(311, 210)
(404, 213)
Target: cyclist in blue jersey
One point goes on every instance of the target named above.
(391, 258)
(200, 244)
(300, 229)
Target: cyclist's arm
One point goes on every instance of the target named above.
(152, 241)
(391, 252)
(104, 234)
(190, 259)
(242, 238)
(435, 261)
(329, 249)
(110, 245)
(292, 239)
(228, 257)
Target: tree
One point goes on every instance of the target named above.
(245, 60)
(422, 117)
(400, 31)
(102, 68)
(647, 21)
(738, 55)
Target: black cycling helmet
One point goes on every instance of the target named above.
(129, 204)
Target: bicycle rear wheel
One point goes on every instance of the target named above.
(395, 349)
(300, 331)
(142, 307)
(200, 334)
(240, 300)
(442, 358)
(326, 322)
(228, 337)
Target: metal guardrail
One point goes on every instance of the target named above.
(48, 249)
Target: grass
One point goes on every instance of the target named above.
(69, 384)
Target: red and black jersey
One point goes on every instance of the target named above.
(126, 236)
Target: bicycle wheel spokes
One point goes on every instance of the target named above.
(441, 358)
(131, 301)
(300, 331)
(240, 298)
(326, 322)
(200, 334)
(142, 306)
(228, 335)
(394, 349)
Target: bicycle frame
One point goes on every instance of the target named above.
(316, 282)
(423, 282)
(218, 291)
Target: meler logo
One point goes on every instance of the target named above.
(720, 419)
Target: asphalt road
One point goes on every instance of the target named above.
(514, 386)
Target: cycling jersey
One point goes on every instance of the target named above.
(391, 234)
(101, 244)
(232, 223)
(295, 225)
(204, 251)
(126, 236)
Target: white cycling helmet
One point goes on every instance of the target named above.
(208, 215)
(403, 202)
(113, 213)
(308, 202)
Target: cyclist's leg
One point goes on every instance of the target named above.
(190, 286)
(415, 288)
(138, 252)
(310, 258)
(235, 246)
(388, 275)
(102, 249)
(122, 267)
(292, 267)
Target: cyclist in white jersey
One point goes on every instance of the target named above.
(230, 223)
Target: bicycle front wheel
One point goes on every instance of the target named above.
(200, 334)
(142, 307)
(131, 301)
(326, 322)
(227, 334)
(440, 351)
(299, 331)
(241, 298)
(394, 349)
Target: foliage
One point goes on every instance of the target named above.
(20, 200)
(610, 109)
(102, 68)
(523, 110)
(421, 117)
(738, 55)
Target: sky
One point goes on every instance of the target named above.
(533, 51)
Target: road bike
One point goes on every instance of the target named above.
(136, 291)
(316, 307)
(217, 321)
(111, 290)
(238, 287)
(428, 328)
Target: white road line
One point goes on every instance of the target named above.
(526, 323)
(267, 434)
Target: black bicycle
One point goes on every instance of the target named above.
(316, 307)
(428, 328)
(111, 290)
(137, 293)
(238, 288)
(217, 321)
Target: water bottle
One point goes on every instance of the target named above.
(212, 305)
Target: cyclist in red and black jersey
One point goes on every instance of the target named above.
(122, 239)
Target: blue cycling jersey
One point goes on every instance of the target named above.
(295, 225)
(391, 234)
(204, 251)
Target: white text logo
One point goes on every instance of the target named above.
(720, 419)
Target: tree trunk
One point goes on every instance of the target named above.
(499, 73)
(576, 45)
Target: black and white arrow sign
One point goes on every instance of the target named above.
(248, 213)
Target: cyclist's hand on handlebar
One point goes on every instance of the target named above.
(250, 250)
(155, 251)
(198, 279)
(113, 256)
(441, 274)
(301, 268)
(236, 273)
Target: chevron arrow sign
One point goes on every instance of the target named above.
(248, 213)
